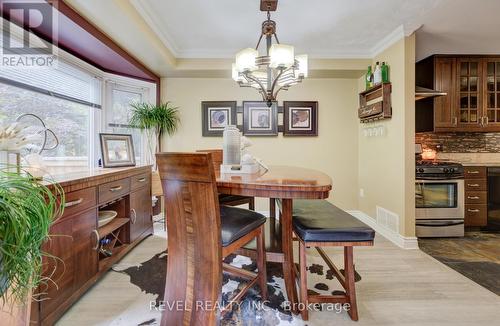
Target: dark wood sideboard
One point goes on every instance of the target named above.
(76, 238)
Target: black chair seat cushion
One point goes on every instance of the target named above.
(321, 221)
(223, 198)
(238, 222)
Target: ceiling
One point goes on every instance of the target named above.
(460, 27)
(322, 28)
(203, 35)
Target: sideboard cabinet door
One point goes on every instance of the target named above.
(140, 212)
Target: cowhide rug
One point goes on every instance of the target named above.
(149, 276)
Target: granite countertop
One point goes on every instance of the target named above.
(472, 159)
(488, 164)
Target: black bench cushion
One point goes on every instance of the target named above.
(237, 222)
(223, 198)
(320, 220)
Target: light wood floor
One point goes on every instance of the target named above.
(398, 287)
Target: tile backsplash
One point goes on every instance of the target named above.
(460, 142)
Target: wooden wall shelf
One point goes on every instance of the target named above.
(375, 103)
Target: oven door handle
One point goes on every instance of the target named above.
(439, 224)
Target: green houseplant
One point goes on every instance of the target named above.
(155, 121)
(27, 209)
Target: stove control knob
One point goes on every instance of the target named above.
(452, 170)
(421, 170)
(446, 170)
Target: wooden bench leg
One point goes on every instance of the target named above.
(349, 282)
(261, 263)
(303, 281)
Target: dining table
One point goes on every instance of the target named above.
(283, 183)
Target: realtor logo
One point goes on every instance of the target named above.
(21, 48)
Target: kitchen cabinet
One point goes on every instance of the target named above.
(78, 251)
(472, 84)
(468, 93)
(491, 96)
(444, 106)
(476, 198)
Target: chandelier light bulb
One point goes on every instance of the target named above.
(245, 60)
(281, 56)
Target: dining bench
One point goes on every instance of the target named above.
(318, 224)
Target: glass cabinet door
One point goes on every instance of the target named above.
(492, 107)
(469, 90)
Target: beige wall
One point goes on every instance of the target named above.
(386, 163)
(383, 166)
(334, 151)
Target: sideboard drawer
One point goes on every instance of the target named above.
(78, 201)
(475, 185)
(113, 190)
(475, 172)
(140, 180)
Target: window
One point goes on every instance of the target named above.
(68, 98)
(69, 120)
(118, 113)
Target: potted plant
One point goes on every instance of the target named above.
(155, 121)
(27, 209)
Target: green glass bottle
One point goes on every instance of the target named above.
(368, 78)
(385, 73)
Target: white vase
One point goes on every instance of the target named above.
(231, 149)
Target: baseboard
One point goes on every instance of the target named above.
(396, 238)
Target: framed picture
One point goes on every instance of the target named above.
(300, 118)
(117, 150)
(216, 115)
(259, 119)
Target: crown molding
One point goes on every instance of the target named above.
(145, 11)
(397, 34)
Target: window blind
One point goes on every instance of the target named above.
(63, 80)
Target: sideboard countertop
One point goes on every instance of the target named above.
(69, 179)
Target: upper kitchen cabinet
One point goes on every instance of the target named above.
(444, 80)
(469, 93)
(491, 68)
(472, 100)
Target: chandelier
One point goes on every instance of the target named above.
(273, 72)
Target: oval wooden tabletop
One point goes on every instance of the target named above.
(277, 182)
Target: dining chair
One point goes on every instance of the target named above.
(224, 199)
(200, 235)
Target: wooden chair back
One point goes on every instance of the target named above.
(216, 157)
(194, 268)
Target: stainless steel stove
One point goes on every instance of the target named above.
(439, 198)
(438, 170)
